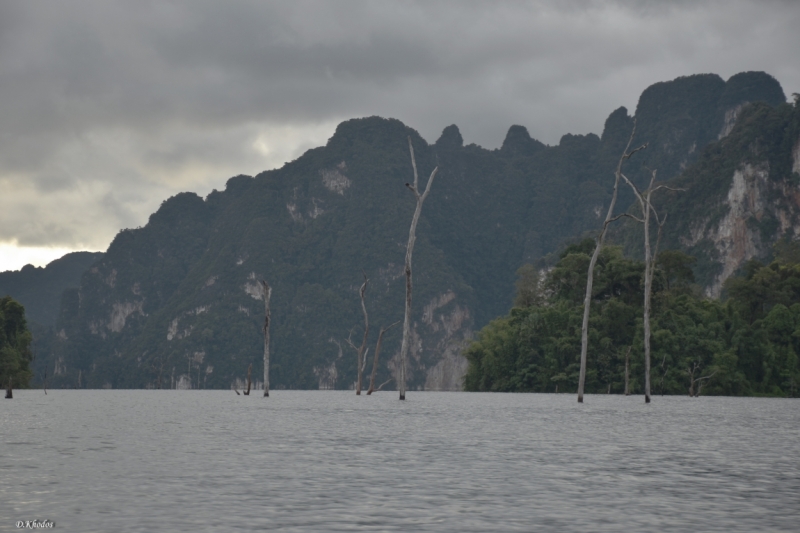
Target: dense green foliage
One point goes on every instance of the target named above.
(15, 345)
(747, 345)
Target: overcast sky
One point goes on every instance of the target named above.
(108, 108)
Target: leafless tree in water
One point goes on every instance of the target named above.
(590, 275)
(267, 293)
(361, 351)
(249, 369)
(644, 199)
(375, 360)
(412, 237)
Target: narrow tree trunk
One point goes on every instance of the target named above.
(648, 286)
(249, 369)
(628, 371)
(267, 293)
(361, 354)
(44, 382)
(649, 268)
(587, 301)
(412, 237)
(9, 391)
(375, 359)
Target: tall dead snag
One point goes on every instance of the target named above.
(249, 369)
(649, 262)
(590, 275)
(361, 355)
(267, 293)
(412, 237)
(627, 371)
(375, 360)
(698, 381)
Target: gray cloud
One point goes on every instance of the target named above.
(109, 107)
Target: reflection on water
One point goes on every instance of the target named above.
(332, 461)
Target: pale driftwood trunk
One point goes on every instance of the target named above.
(649, 264)
(249, 369)
(267, 293)
(412, 237)
(648, 289)
(699, 381)
(628, 371)
(587, 301)
(375, 359)
(362, 359)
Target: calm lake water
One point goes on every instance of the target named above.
(331, 461)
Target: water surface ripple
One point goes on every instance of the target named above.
(301, 461)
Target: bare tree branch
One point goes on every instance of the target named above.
(375, 360)
(267, 292)
(412, 236)
(384, 383)
(626, 215)
(590, 275)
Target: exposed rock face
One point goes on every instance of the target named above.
(334, 180)
(737, 237)
(735, 242)
(730, 121)
(796, 157)
(121, 311)
(447, 329)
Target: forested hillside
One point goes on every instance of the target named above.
(746, 345)
(176, 303)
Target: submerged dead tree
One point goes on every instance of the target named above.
(249, 369)
(649, 262)
(697, 381)
(628, 371)
(412, 237)
(361, 351)
(267, 293)
(587, 302)
(375, 359)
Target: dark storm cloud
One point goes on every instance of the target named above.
(108, 107)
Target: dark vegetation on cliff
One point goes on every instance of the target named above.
(176, 304)
(15, 345)
(746, 345)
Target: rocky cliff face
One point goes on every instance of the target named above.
(177, 303)
(741, 197)
(737, 238)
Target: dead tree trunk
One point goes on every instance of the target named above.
(628, 371)
(362, 356)
(696, 381)
(375, 359)
(649, 263)
(249, 369)
(587, 301)
(267, 293)
(412, 237)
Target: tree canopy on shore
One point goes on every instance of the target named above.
(745, 344)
